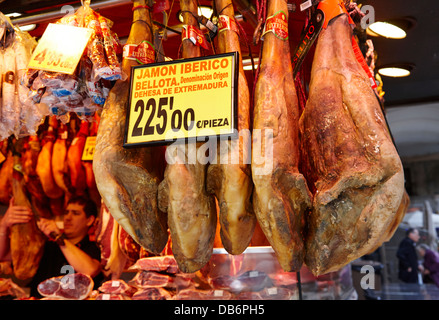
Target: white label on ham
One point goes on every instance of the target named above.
(218, 293)
(115, 283)
(272, 291)
(305, 5)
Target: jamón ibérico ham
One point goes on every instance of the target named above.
(44, 165)
(281, 195)
(113, 260)
(40, 202)
(77, 175)
(6, 173)
(59, 160)
(127, 179)
(350, 161)
(192, 216)
(231, 182)
(27, 241)
(92, 189)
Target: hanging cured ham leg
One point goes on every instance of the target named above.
(281, 194)
(191, 211)
(231, 182)
(127, 179)
(27, 241)
(351, 162)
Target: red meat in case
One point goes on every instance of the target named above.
(198, 294)
(272, 293)
(152, 294)
(76, 286)
(112, 296)
(117, 287)
(148, 279)
(166, 264)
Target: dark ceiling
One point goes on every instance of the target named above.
(420, 47)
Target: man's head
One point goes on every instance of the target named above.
(79, 215)
(422, 248)
(413, 233)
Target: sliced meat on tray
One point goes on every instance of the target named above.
(76, 286)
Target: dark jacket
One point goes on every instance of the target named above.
(431, 263)
(407, 259)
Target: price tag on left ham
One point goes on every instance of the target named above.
(60, 48)
(89, 148)
(191, 98)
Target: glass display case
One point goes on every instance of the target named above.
(253, 275)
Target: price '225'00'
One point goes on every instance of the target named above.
(178, 119)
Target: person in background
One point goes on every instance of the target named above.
(431, 262)
(72, 247)
(408, 258)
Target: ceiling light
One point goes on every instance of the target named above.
(27, 27)
(396, 71)
(393, 29)
(202, 11)
(247, 63)
(249, 67)
(387, 30)
(13, 15)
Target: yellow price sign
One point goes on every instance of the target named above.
(60, 48)
(89, 148)
(182, 99)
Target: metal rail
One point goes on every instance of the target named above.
(62, 11)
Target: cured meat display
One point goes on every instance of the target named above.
(76, 286)
(231, 183)
(192, 215)
(6, 173)
(152, 294)
(113, 260)
(349, 159)
(85, 91)
(17, 117)
(9, 290)
(38, 199)
(166, 264)
(59, 161)
(118, 287)
(318, 182)
(78, 177)
(44, 166)
(127, 179)
(27, 241)
(281, 195)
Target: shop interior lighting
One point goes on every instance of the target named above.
(247, 63)
(28, 27)
(13, 15)
(202, 11)
(396, 71)
(392, 29)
